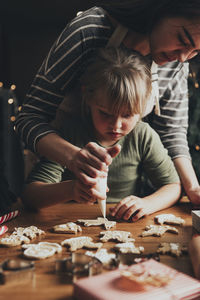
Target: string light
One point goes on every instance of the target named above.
(25, 152)
(10, 101)
(13, 87)
(12, 118)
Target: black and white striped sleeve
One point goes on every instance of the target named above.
(59, 72)
(172, 124)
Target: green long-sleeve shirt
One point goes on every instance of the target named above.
(141, 151)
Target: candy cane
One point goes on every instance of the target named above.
(3, 229)
(8, 216)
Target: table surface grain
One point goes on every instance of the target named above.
(46, 284)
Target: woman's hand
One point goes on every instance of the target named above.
(131, 207)
(194, 196)
(91, 160)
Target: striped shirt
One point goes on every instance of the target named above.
(66, 62)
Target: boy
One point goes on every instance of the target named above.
(114, 93)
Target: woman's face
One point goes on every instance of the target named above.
(174, 39)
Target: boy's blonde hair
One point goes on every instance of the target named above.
(124, 77)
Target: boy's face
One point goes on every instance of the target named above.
(109, 128)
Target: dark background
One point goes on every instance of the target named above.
(27, 30)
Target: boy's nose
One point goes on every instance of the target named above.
(117, 123)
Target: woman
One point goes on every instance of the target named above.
(166, 30)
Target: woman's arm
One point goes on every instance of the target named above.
(134, 207)
(173, 123)
(59, 72)
(188, 178)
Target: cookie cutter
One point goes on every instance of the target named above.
(15, 271)
(132, 258)
(78, 265)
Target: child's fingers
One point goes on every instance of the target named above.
(115, 208)
(119, 210)
(132, 211)
(138, 215)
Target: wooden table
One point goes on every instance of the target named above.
(46, 283)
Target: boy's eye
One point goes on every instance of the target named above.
(103, 113)
(127, 116)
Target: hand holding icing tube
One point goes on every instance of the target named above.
(102, 188)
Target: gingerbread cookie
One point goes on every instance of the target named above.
(129, 247)
(41, 250)
(102, 255)
(174, 249)
(169, 219)
(119, 235)
(21, 235)
(31, 232)
(69, 227)
(97, 222)
(158, 230)
(80, 242)
(14, 240)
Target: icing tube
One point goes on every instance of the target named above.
(102, 205)
(102, 187)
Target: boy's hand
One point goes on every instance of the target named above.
(87, 194)
(91, 160)
(131, 207)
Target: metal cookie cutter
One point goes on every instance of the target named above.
(78, 265)
(16, 271)
(131, 258)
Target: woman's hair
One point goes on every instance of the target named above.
(123, 76)
(142, 15)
